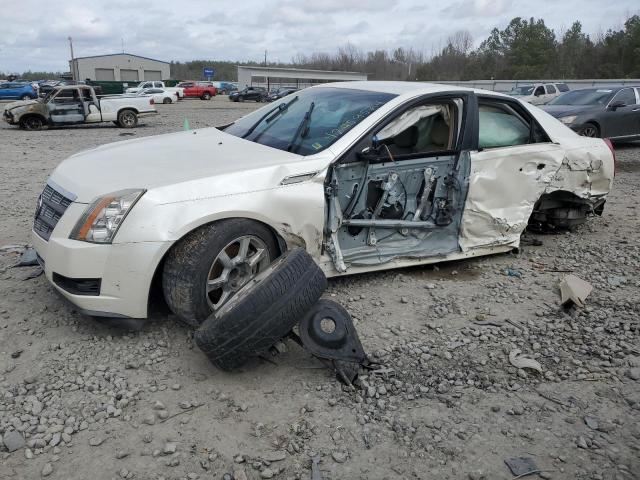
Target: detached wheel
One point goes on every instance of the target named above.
(127, 119)
(590, 130)
(208, 266)
(262, 312)
(206, 96)
(32, 123)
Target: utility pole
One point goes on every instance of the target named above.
(73, 63)
(122, 40)
(265, 58)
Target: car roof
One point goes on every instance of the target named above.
(407, 88)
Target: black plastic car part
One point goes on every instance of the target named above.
(328, 333)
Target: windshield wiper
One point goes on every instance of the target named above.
(274, 112)
(303, 128)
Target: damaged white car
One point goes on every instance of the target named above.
(364, 175)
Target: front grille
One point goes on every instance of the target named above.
(51, 206)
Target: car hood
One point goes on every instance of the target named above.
(565, 110)
(162, 160)
(19, 103)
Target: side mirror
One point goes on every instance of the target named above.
(617, 104)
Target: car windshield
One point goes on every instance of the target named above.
(310, 121)
(595, 96)
(525, 90)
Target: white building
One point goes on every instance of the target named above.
(122, 67)
(275, 77)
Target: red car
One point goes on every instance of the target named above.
(203, 90)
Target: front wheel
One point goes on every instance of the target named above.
(32, 123)
(206, 96)
(590, 130)
(127, 119)
(166, 101)
(25, 97)
(208, 266)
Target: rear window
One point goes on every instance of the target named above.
(562, 87)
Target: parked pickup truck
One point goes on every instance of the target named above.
(155, 84)
(202, 90)
(77, 104)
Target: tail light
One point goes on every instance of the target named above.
(151, 101)
(613, 152)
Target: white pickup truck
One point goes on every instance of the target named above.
(155, 84)
(78, 104)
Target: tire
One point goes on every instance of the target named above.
(32, 122)
(25, 97)
(263, 312)
(241, 99)
(166, 100)
(590, 130)
(206, 96)
(191, 265)
(127, 119)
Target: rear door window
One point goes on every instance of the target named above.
(551, 89)
(503, 124)
(626, 95)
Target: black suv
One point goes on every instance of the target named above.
(259, 94)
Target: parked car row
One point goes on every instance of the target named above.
(17, 91)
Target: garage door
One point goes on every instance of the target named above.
(105, 74)
(129, 75)
(152, 75)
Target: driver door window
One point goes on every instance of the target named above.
(421, 130)
(625, 95)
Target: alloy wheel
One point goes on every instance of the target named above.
(236, 264)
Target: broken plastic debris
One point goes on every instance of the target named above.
(512, 272)
(29, 258)
(521, 466)
(523, 362)
(574, 290)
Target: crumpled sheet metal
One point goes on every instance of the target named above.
(504, 185)
(498, 217)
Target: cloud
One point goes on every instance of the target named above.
(168, 30)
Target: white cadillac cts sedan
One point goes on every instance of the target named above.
(364, 175)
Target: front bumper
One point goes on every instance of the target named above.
(124, 270)
(8, 117)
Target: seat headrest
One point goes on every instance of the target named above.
(407, 138)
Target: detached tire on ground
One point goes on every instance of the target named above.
(263, 312)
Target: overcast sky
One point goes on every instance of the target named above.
(34, 36)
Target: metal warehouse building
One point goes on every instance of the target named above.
(121, 67)
(291, 77)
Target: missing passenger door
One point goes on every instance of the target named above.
(400, 193)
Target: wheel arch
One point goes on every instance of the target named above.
(32, 114)
(122, 109)
(155, 287)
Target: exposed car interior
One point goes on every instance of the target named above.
(404, 196)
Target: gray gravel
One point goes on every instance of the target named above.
(89, 401)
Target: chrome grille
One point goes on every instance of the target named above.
(51, 206)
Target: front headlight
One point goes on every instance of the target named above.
(100, 221)
(569, 119)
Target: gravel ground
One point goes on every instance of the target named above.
(82, 400)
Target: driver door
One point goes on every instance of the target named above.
(66, 106)
(400, 192)
(624, 120)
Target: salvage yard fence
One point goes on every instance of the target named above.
(506, 85)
